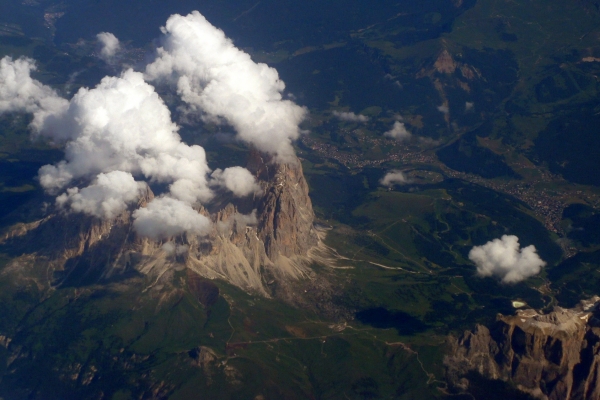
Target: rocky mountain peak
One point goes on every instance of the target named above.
(550, 356)
(445, 63)
(268, 244)
(285, 214)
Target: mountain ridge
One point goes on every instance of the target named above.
(251, 251)
(549, 356)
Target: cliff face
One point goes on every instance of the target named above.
(256, 252)
(550, 356)
(271, 249)
(285, 214)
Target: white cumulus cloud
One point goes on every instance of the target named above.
(219, 80)
(350, 116)
(123, 125)
(165, 217)
(394, 177)
(119, 137)
(398, 132)
(21, 93)
(238, 180)
(109, 45)
(113, 132)
(106, 197)
(505, 259)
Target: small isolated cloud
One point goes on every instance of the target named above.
(469, 105)
(443, 109)
(350, 116)
(505, 259)
(109, 45)
(107, 197)
(394, 177)
(237, 180)
(398, 132)
(165, 217)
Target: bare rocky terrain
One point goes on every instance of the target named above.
(550, 356)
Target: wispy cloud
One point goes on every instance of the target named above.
(350, 116)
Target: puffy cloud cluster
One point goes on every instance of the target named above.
(165, 217)
(394, 177)
(398, 132)
(238, 180)
(350, 116)
(121, 130)
(123, 125)
(113, 132)
(222, 82)
(109, 45)
(505, 259)
(107, 197)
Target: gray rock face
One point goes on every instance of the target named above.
(254, 251)
(550, 356)
(285, 214)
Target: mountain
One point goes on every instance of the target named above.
(259, 252)
(549, 356)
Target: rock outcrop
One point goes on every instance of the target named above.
(549, 356)
(285, 214)
(258, 249)
(269, 246)
(445, 63)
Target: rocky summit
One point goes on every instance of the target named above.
(258, 244)
(549, 356)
